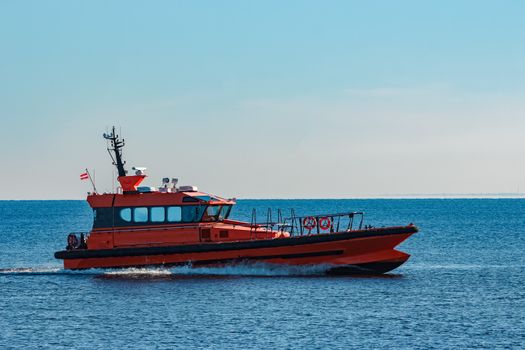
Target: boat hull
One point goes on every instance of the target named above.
(368, 251)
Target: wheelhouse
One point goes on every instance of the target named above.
(149, 209)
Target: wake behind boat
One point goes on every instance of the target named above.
(171, 225)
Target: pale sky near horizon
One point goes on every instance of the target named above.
(265, 99)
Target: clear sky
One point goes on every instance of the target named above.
(265, 99)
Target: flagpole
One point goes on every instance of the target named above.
(91, 179)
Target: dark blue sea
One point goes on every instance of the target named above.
(463, 287)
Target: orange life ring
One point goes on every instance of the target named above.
(325, 223)
(309, 222)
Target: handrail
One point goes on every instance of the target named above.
(319, 223)
(332, 222)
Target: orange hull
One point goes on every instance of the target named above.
(363, 251)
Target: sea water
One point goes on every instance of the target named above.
(462, 288)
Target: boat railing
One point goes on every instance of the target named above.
(307, 224)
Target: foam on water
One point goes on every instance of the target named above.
(247, 269)
(29, 270)
(253, 269)
(39, 270)
(139, 272)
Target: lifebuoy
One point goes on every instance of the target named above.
(309, 222)
(325, 223)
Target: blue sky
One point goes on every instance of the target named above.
(265, 99)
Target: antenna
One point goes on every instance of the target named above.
(115, 145)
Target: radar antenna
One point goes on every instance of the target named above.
(115, 145)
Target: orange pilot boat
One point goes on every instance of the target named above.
(168, 226)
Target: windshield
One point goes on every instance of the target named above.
(211, 213)
(216, 213)
(192, 213)
(225, 212)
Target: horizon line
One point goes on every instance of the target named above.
(481, 195)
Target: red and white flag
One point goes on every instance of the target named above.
(84, 176)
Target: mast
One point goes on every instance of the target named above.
(115, 145)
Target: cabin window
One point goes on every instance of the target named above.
(174, 214)
(225, 212)
(125, 214)
(192, 213)
(140, 214)
(157, 214)
(212, 213)
(104, 217)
